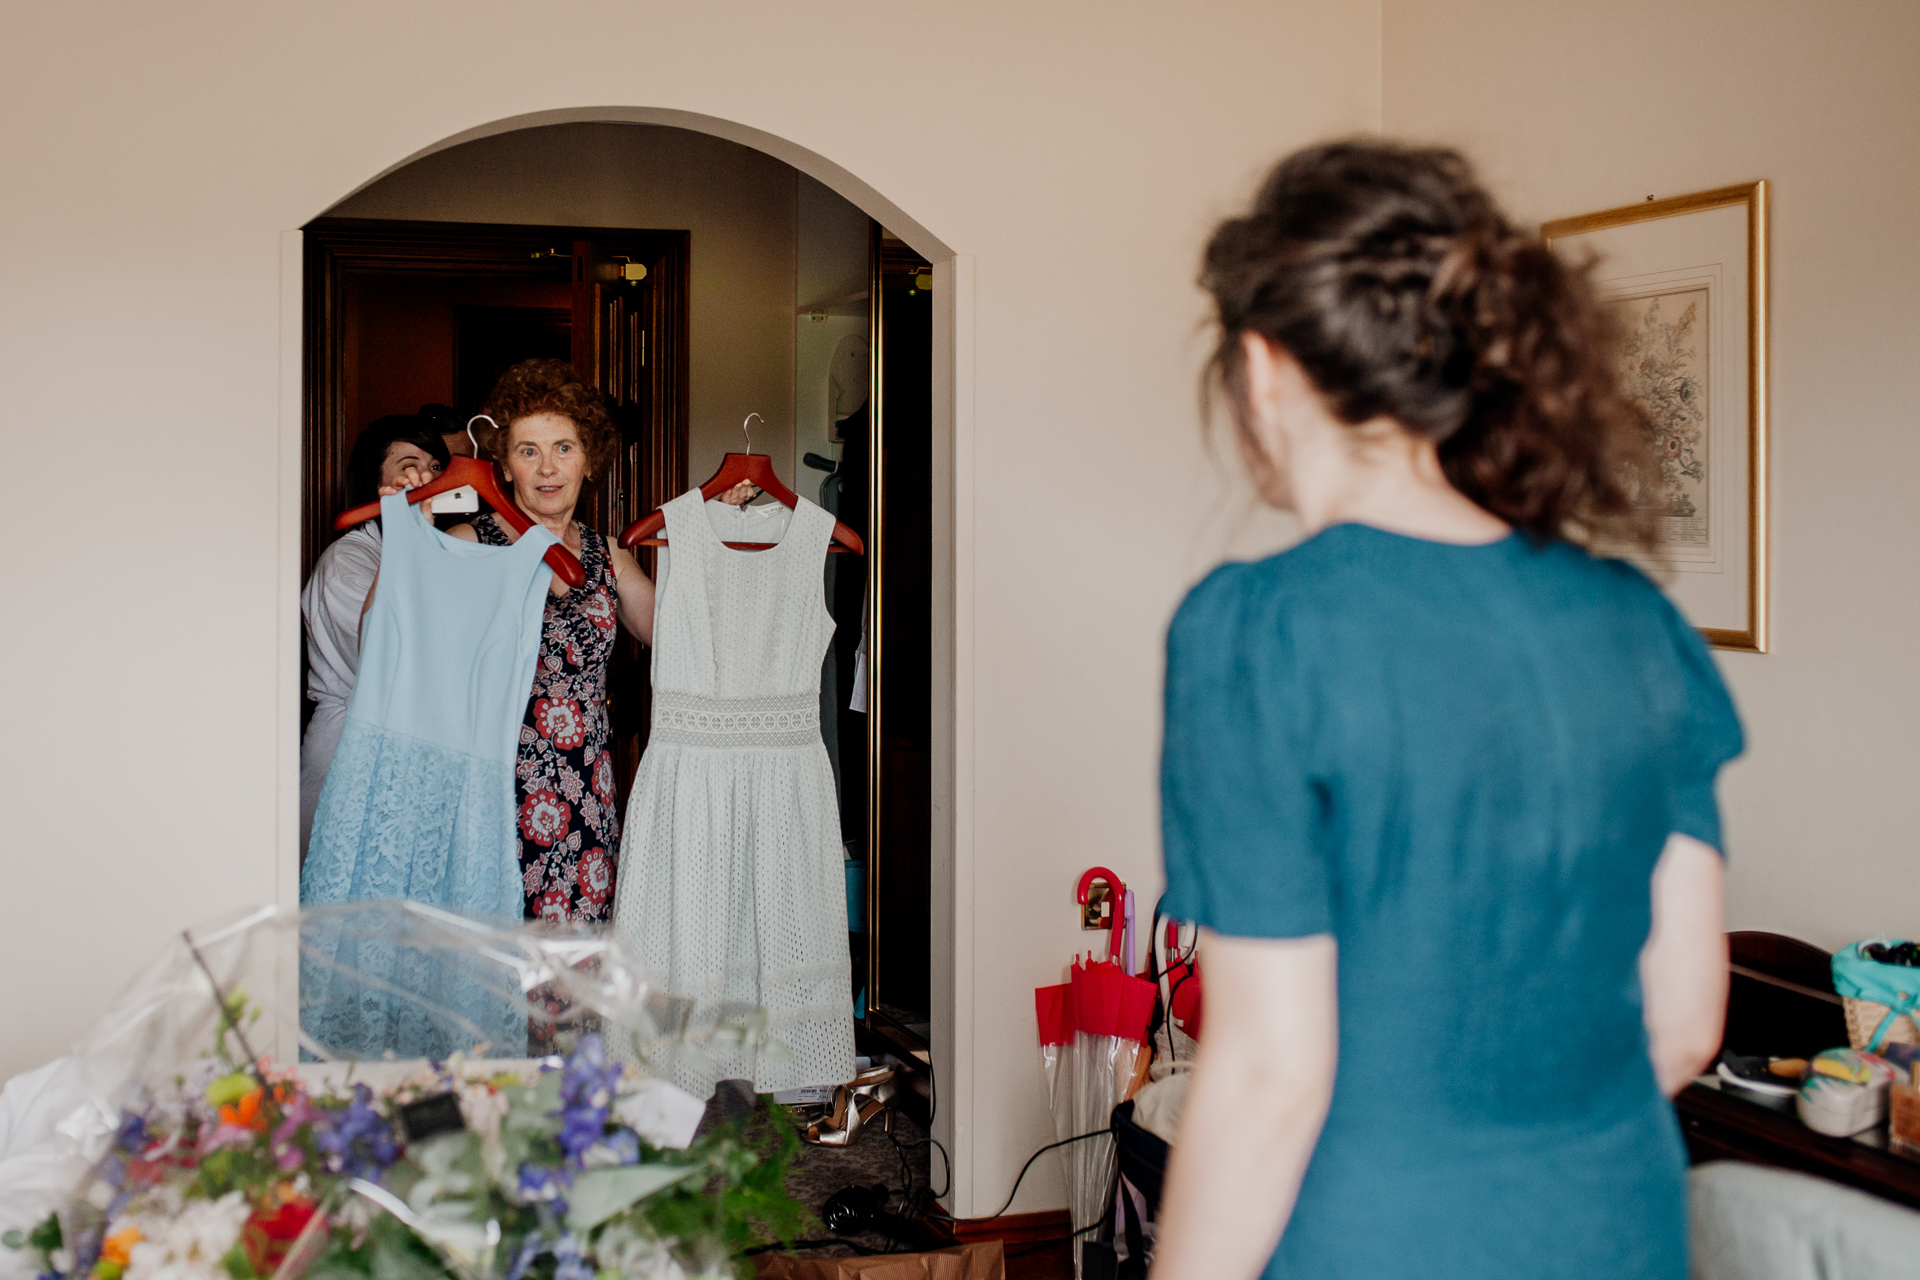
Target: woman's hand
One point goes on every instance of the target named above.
(410, 478)
(741, 494)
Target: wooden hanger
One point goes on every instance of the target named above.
(757, 470)
(462, 472)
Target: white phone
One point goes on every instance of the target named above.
(454, 502)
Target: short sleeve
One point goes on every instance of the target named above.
(1238, 808)
(1708, 736)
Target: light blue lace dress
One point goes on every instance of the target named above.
(418, 803)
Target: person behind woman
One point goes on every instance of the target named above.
(1438, 782)
(388, 449)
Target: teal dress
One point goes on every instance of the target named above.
(418, 804)
(1462, 763)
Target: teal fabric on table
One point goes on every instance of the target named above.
(1462, 762)
(418, 803)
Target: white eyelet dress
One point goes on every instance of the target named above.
(732, 890)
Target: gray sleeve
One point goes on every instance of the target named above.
(331, 604)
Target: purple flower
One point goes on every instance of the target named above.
(588, 1079)
(356, 1141)
(529, 1250)
(580, 1128)
(227, 1135)
(569, 1263)
(133, 1133)
(298, 1112)
(624, 1145)
(545, 1184)
(586, 1093)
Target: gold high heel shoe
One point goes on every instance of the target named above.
(855, 1104)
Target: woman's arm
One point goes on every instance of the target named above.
(635, 590)
(1259, 1095)
(1683, 967)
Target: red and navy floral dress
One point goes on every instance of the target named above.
(568, 816)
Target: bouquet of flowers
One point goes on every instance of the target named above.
(226, 1166)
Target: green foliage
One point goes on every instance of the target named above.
(43, 1239)
(742, 1201)
(235, 1169)
(344, 1259)
(398, 1254)
(48, 1236)
(724, 1194)
(238, 1265)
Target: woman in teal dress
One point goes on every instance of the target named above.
(1438, 782)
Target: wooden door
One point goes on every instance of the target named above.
(629, 340)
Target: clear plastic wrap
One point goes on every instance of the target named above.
(239, 1127)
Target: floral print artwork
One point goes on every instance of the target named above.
(1663, 365)
(569, 821)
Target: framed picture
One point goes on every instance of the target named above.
(1686, 279)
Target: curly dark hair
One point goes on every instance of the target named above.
(1394, 280)
(549, 386)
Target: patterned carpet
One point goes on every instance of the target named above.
(872, 1160)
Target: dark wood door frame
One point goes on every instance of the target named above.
(338, 247)
(629, 341)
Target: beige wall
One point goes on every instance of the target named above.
(153, 158)
(1072, 157)
(1574, 108)
(737, 203)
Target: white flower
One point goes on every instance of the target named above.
(664, 1115)
(483, 1107)
(184, 1239)
(632, 1256)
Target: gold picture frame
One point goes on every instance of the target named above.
(1692, 252)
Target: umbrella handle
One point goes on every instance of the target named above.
(1119, 899)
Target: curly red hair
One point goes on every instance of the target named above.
(550, 386)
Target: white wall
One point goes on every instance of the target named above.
(1578, 107)
(736, 203)
(1073, 156)
(833, 252)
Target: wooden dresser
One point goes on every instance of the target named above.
(1781, 1002)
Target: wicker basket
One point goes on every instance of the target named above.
(1863, 1018)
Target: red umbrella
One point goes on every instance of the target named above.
(1092, 1032)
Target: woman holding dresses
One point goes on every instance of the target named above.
(552, 435)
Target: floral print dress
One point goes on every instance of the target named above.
(569, 819)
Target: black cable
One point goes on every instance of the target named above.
(906, 1171)
(906, 1178)
(946, 1162)
(1002, 1211)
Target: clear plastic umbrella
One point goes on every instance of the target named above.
(1092, 1032)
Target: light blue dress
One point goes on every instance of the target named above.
(418, 803)
(1461, 763)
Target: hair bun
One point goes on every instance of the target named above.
(1394, 280)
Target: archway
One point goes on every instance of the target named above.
(951, 294)
(812, 163)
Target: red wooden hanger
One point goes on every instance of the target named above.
(461, 472)
(756, 469)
